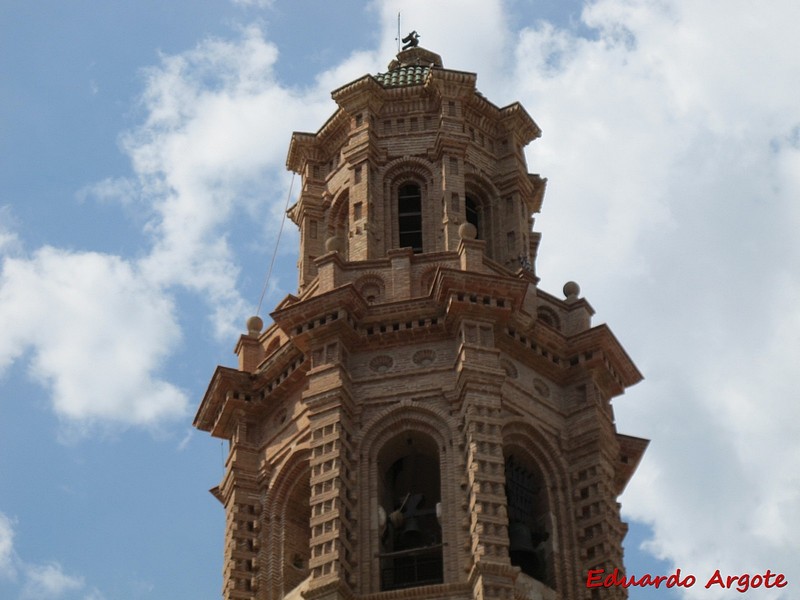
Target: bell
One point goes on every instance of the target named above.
(519, 538)
(382, 519)
(411, 536)
(522, 553)
(396, 519)
(411, 528)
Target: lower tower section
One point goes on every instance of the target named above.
(447, 445)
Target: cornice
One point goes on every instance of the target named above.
(305, 147)
(517, 120)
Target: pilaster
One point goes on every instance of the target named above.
(241, 493)
(332, 498)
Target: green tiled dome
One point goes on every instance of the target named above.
(403, 76)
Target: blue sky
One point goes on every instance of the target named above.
(142, 180)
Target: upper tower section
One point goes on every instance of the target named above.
(409, 156)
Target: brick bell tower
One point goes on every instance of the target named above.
(420, 419)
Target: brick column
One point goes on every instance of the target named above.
(332, 476)
(480, 377)
(592, 452)
(241, 496)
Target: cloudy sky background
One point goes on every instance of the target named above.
(142, 183)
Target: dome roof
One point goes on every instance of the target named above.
(411, 67)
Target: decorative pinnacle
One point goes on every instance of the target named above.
(254, 326)
(571, 291)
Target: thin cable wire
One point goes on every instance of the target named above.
(277, 242)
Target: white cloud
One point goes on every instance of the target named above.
(9, 240)
(255, 3)
(97, 331)
(7, 568)
(212, 145)
(99, 327)
(39, 581)
(117, 189)
(48, 581)
(182, 445)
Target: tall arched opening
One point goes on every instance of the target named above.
(409, 501)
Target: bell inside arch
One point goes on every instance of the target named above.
(412, 536)
(525, 551)
(520, 538)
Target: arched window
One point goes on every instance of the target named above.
(473, 216)
(286, 541)
(409, 216)
(480, 211)
(339, 220)
(549, 316)
(410, 497)
(530, 546)
(297, 534)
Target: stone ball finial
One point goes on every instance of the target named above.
(254, 325)
(334, 244)
(571, 291)
(467, 231)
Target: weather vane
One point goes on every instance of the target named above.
(410, 41)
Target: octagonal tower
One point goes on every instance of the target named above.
(420, 419)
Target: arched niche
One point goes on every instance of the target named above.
(409, 212)
(383, 441)
(474, 213)
(548, 316)
(480, 209)
(339, 219)
(371, 287)
(424, 282)
(538, 519)
(409, 497)
(409, 216)
(530, 526)
(288, 541)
